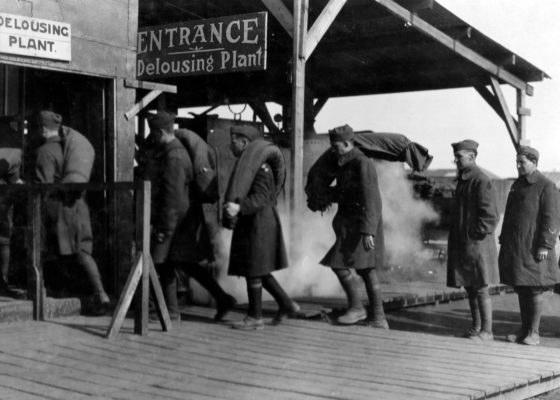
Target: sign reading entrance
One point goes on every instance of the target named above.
(35, 37)
(227, 44)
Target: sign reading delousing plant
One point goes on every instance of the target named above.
(218, 45)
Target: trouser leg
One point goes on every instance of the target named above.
(475, 311)
(356, 311)
(92, 272)
(254, 293)
(272, 286)
(4, 261)
(204, 277)
(535, 307)
(373, 289)
(168, 282)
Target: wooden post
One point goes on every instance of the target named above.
(143, 239)
(522, 114)
(143, 269)
(35, 286)
(298, 97)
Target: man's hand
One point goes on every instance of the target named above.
(231, 209)
(367, 241)
(542, 253)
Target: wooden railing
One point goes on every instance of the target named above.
(143, 267)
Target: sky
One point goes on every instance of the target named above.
(436, 119)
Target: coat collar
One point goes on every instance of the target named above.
(469, 173)
(534, 177)
(352, 154)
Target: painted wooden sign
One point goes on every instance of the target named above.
(35, 37)
(228, 44)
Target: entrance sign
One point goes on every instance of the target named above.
(234, 43)
(34, 37)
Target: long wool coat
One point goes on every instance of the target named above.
(68, 224)
(257, 245)
(472, 254)
(359, 213)
(176, 210)
(531, 221)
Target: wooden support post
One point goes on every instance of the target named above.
(143, 268)
(298, 97)
(522, 114)
(35, 285)
(510, 122)
(321, 25)
(147, 99)
(281, 13)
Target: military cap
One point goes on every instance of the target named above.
(341, 134)
(50, 120)
(466, 144)
(250, 132)
(529, 152)
(161, 120)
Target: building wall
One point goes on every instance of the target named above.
(103, 34)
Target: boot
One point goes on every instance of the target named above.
(224, 301)
(253, 320)
(376, 318)
(356, 311)
(287, 308)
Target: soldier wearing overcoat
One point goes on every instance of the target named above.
(472, 253)
(527, 258)
(180, 237)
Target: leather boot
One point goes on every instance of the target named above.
(287, 308)
(376, 318)
(253, 320)
(356, 311)
(518, 336)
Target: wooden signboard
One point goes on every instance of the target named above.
(35, 37)
(228, 44)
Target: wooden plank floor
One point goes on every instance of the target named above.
(68, 358)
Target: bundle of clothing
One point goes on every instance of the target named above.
(377, 145)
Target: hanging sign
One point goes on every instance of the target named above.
(34, 37)
(228, 44)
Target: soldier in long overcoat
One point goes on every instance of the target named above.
(257, 246)
(472, 254)
(358, 225)
(180, 237)
(527, 258)
(68, 223)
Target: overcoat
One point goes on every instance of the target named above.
(359, 213)
(67, 223)
(257, 245)
(10, 161)
(531, 221)
(472, 254)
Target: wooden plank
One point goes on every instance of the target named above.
(319, 104)
(455, 46)
(522, 114)
(125, 298)
(321, 25)
(133, 83)
(161, 307)
(282, 14)
(147, 99)
(510, 123)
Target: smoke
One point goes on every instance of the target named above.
(404, 216)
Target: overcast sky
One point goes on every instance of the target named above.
(435, 119)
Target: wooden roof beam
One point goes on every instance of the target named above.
(321, 25)
(511, 124)
(282, 14)
(454, 45)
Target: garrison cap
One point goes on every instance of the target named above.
(341, 134)
(529, 152)
(50, 120)
(250, 132)
(466, 144)
(161, 120)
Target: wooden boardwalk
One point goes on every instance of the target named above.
(68, 358)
